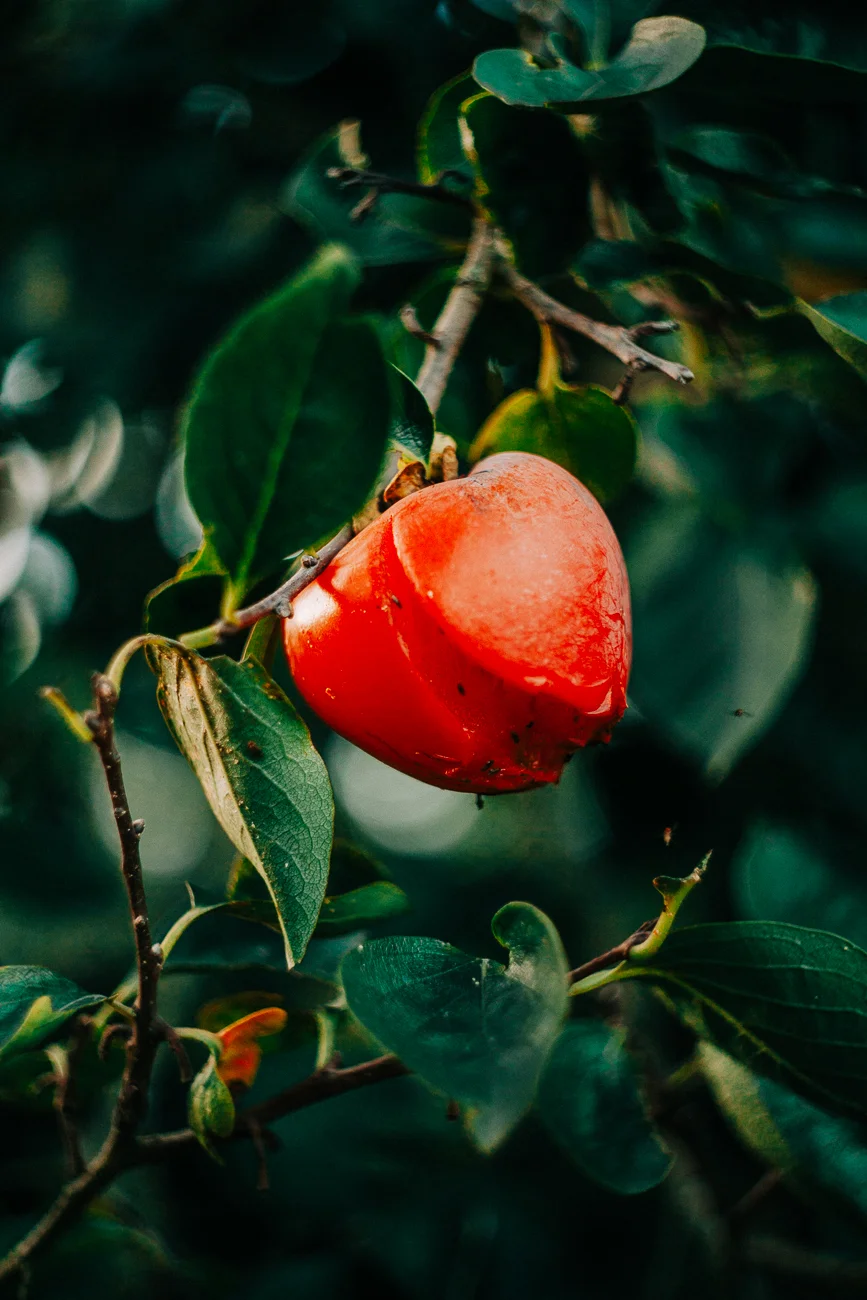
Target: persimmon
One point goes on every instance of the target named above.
(476, 634)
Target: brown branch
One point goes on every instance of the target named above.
(131, 1101)
(460, 310)
(443, 346)
(616, 339)
(614, 955)
(322, 1085)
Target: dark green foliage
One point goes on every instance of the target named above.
(166, 188)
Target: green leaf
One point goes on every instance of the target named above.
(659, 51)
(789, 1133)
(590, 1100)
(189, 598)
(288, 422)
(581, 429)
(769, 75)
(787, 1001)
(439, 148)
(360, 907)
(35, 1004)
(211, 1110)
(722, 631)
(471, 1028)
(412, 424)
(401, 228)
(266, 784)
(532, 177)
(842, 322)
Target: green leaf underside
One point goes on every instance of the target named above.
(581, 429)
(294, 390)
(787, 1001)
(659, 51)
(842, 322)
(589, 1099)
(791, 1134)
(412, 424)
(472, 1029)
(35, 1004)
(266, 784)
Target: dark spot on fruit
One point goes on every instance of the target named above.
(253, 749)
(491, 767)
(530, 724)
(462, 690)
(515, 737)
(395, 601)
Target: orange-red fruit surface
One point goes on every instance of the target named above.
(476, 634)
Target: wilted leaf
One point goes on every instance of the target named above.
(659, 51)
(288, 422)
(590, 1100)
(35, 1004)
(266, 784)
(241, 1054)
(473, 1029)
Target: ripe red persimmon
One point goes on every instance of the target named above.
(474, 635)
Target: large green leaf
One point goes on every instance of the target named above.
(842, 322)
(659, 51)
(35, 1004)
(265, 782)
(532, 176)
(787, 1001)
(475, 1030)
(722, 631)
(590, 1100)
(581, 429)
(288, 422)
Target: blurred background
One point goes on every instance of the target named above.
(150, 153)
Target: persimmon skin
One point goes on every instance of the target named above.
(476, 634)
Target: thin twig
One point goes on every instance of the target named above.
(411, 323)
(614, 955)
(131, 1100)
(445, 342)
(788, 1259)
(616, 339)
(321, 1085)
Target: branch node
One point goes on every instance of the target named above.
(411, 323)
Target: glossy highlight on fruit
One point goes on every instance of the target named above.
(474, 635)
